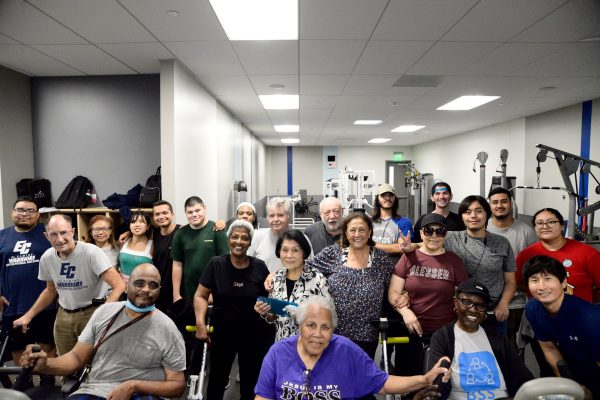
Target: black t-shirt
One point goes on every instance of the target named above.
(453, 220)
(235, 290)
(163, 261)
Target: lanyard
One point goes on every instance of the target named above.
(104, 338)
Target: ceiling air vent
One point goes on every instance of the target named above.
(419, 81)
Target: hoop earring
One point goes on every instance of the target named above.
(484, 316)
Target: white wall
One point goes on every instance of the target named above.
(202, 150)
(16, 151)
(452, 158)
(308, 165)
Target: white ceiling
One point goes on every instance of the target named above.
(349, 55)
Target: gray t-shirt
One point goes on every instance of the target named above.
(141, 351)
(520, 235)
(76, 277)
(486, 259)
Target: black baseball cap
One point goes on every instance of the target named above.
(434, 218)
(473, 287)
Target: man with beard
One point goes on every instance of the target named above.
(441, 196)
(144, 356)
(326, 232)
(21, 247)
(388, 225)
(520, 235)
(74, 272)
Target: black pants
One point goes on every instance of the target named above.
(250, 347)
(408, 360)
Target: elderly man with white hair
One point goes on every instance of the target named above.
(279, 211)
(326, 232)
(317, 364)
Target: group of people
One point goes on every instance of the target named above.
(459, 283)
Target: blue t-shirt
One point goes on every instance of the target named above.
(344, 371)
(20, 254)
(575, 330)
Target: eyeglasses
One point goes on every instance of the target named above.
(307, 373)
(549, 224)
(140, 284)
(466, 303)
(101, 229)
(55, 235)
(439, 232)
(26, 211)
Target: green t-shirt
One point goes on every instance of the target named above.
(194, 248)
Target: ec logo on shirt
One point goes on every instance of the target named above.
(22, 247)
(478, 371)
(67, 270)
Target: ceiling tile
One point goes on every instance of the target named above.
(574, 59)
(569, 23)
(339, 19)
(261, 84)
(207, 57)
(390, 56)
(7, 40)
(196, 19)
(379, 85)
(318, 102)
(326, 85)
(386, 104)
(87, 58)
(447, 58)
(28, 25)
(329, 56)
(32, 62)
(420, 20)
(142, 57)
(231, 85)
(268, 57)
(499, 20)
(97, 21)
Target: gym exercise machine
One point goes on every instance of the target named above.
(354, 189)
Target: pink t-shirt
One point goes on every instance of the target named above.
(431, 282)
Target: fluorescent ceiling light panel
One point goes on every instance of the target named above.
(258, 19)
(464, 103)
(379, 140)
(408, 128)
(290, 141)
(280, 101)
(287, 128)
(368, 122)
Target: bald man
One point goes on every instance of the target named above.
(147, 357)
(326, 231)
(73, 272)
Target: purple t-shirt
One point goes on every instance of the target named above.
(344, 371)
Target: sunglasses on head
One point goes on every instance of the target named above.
(440, 232)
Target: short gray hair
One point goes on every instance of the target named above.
(280, 202)
(240, 223)
(320, 302)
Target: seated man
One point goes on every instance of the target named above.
(484, 364)
(566, 326)
(133, 348)
(320, 365)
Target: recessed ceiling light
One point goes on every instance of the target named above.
(280, 101)
(379, 140)
(277, 85)
(287, 128)
(408, 128)
(464, 103)
(172, 13)
(290, 141)
(259, 19)
(368, 122)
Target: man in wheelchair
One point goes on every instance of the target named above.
(132, 349)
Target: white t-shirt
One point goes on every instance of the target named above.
(77, 277)
(476, 374)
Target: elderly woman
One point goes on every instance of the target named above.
(581, 261)
(484, 363)
(295, 282)
(320, 365)
(235, 281)
(430, 275)
(358, 275)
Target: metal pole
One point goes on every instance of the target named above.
(482, 180)
(572, 216)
